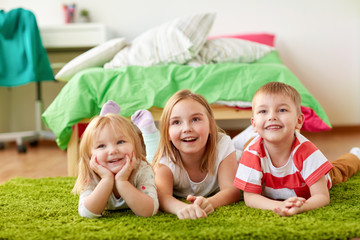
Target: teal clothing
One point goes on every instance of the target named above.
(23, 58)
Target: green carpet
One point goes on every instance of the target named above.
(45, 209)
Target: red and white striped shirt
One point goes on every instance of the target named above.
(306, 165)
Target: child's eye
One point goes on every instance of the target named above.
(283, 110)
(101, 146)
(175, 122)
(262, 111)
(120, 142)
(196, 119)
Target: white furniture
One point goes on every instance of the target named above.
(67, 41)
(74, 35)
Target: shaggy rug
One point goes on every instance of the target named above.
(45, 209)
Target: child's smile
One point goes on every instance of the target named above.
(189, 130)
(275, 117)
(273, 127)
(111, 148)
(189, 139)
(115, 160)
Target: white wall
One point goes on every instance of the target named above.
(319, 40)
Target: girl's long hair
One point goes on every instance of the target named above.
(86, 175)
(167, 149)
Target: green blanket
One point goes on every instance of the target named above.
(136, 87)
(45, 209)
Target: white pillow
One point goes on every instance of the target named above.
(95, 57)
(174, 42)
(232, 50)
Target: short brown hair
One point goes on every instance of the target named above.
(280, 88)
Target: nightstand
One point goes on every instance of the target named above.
(65, 42)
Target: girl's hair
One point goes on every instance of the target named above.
(167, 149)
(118, 123)
(281, 88)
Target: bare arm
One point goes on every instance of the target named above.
(97, 200)
(226, 174)
(255, 200)
(139, 202)
(294, 205)
(319, 198)
(168, 203)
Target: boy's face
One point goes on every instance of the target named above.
(275, 117)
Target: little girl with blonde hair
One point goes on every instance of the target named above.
(113, 172)
(194, 160)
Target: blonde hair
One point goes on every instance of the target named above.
(86, 175)
(167, 149)
(280, 88)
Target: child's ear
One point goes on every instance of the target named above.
(300, 121)
(253, 124)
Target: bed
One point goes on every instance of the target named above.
(227, 78)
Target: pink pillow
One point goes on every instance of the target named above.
(264, 38)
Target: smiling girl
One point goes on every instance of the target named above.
(195, 159)
(113, 173)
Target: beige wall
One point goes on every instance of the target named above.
(317, 39)
(17, 106)
(4, 110)
(21, 104)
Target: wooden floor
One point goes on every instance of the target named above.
(47, 160)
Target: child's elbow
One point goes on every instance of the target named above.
(149, 210)
(323, 200)
(326, 201)
(147, 213)
(247, 202)
(84, 212)
(248, 199)
(326, 198)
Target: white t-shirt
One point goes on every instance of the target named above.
(142, 179)
(183, 186)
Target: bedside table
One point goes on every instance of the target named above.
(65, 42)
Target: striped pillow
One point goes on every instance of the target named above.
(177, 41)
(221, 50)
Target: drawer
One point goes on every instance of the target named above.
(73, 35)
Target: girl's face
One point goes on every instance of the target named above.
(189, 127)
(110, 148)
(275, 118)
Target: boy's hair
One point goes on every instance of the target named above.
(280, 88)
(167, 149)
(118, 123)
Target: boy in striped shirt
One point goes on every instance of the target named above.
(280, 169)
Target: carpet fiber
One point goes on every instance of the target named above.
(45, 209)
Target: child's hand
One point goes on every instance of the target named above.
(291, 206)
(191, 211)
(99, 169)
(125, 172)
(201, 202)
